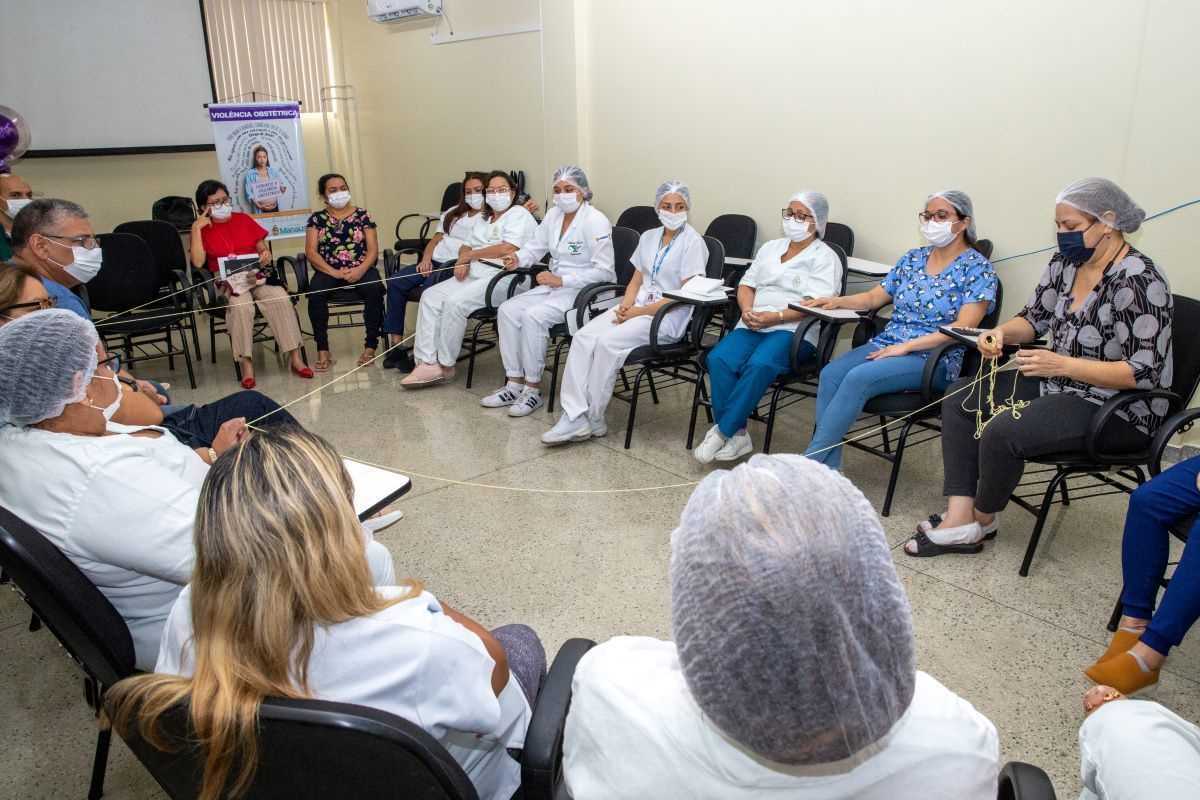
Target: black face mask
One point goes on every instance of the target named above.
(1070, 244)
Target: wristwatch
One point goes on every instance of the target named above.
(212, 456)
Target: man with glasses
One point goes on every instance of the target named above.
(15, 194)
(55, 238)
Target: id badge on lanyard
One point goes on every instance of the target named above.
(654, 292)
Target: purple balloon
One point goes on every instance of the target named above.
(11, 129)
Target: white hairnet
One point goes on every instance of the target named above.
(673, 187)
(1105, 201)
(575, 175)
(961, 202)
(47, 359)
(817, 204)
(794, 633)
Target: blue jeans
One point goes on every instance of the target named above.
(1154, 508)
(741, 367)
(400, 286)
(847, 383)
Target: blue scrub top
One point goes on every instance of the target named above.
(65, 298)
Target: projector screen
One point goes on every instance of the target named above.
(96, 76)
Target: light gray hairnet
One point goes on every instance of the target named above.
(573, 174)
(818, 204)
(673, 187)
(963, 205)
(47, 359)
(794, 633)
(1105, 201)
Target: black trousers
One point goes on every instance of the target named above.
(197, 426)
(990, 468)
(368, 289)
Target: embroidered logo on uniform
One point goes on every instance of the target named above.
(575, 248)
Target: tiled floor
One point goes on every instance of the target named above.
(595, 565)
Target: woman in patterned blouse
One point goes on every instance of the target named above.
(947, 283)
(1105, 312)
(342, 246)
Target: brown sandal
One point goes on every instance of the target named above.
(365, 359)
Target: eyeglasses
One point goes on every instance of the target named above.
(34, 305)
(87, 242)
(799, 217)
(219, 203)
(937, 216)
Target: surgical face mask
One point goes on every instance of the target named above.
(672, 220)
(15, 204)
(85, 264)
(222, 212)
(1072, 247)
(938, 234)
(339, 199)
(567, 202)
(499, 201)
(475, 201)
(111, 409)
(796, 230)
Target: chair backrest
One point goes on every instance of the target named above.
(984, 246)
(66, 602)
(625, 241)
(737, 232)
(1186, 347)
(842, 257)
(128, 277)
(315, 748)
(178, 211)
(841, 235)
(639, 218)
(165, 243)
(716, 257)
(451, 195)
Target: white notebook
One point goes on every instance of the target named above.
(832, 313)
(373, 486)
(704, 289)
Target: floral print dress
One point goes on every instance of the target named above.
(342, 242)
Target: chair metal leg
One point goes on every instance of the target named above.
(100, 764)
(1115, 620)
(187, 357)
(691, 437)
(35, 623)
(887, 442)
(633, 401)
(624, 380)
(771, 419)
(471, 357)
(1062, 489)
(554, 377)
(1043, 512)
(895, 476)
(195, 337)
(653, 390)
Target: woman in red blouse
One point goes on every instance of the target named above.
(218, 232)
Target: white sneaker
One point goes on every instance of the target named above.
(735, 447)
(529, 402)
(713, 441)
(568, 430)
(376, 524)
(501, 398)
(599, 427)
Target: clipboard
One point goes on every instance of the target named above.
(374, 488)
(829, 314)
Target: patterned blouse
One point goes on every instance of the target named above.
(1127, 317)
(342, 243)
(923, 302)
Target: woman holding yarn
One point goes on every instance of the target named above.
(1105, 311)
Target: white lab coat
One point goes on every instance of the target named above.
(634, 731)
(453, 240)
(1133, 749)
(599, 348)
(442, 314)
(815, 272)
(581, 255)
(412, 660)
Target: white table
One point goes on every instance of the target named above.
(870, 269)
(739, 262)
(374, 488)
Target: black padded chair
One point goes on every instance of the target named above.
(1098, 472)
(316, 748)
(86, 625)
(592, 301)
(984, 246)
(177, 211)
(346, 309)
(450, 196)
(638, 218)
(167, 246)
(736, 232)
(482, 334)
(841, 235)
(129, 288)
(1020, 781)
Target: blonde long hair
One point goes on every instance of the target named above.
(279, 550)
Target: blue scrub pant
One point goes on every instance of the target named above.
(741, 367)
(398, 288)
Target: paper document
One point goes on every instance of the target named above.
(828, 313)
(704, 289)
(373, 487)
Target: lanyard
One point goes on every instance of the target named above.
(661, 257)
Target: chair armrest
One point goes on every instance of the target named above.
(931, 364)
(798, 342)
(1118, 402)
(541, 759)
(281, 265)
(1019, 781)
(424, 224)
(588, 295)
(1173, 425)
(516, 275)
(657, 322)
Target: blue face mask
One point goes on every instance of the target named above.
(1070, 244)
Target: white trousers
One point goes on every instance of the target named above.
(1132, 749)
(524, 323)
(442, 314)
(597, 353)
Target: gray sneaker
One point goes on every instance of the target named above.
(529, 402)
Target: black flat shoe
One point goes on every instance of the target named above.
(927, 548)
(400, 358)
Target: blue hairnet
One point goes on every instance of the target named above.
(793, 631)
(1104, 200)
(47, 360)
(673, 187)
(961, 202)
(573, 174)
(817, 204)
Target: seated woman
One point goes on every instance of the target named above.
(1106, 310)
(578, 238)
(219, 231)
(256, 622)
(442, 314)
(947, 283)
(746, 360)
(1145, 636)
(665, 259)
(342, 246)
(453, 230)
(21, 292)
(793, 671)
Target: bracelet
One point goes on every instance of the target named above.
(780, 316)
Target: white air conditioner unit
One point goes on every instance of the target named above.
(403, 10)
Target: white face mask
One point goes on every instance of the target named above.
(339, 199)
(86, 264)
(111, 409)
(475, 201)
(566, 202)
(938, 234)
(499, 201)
(796, 230)
(15, 204)
(672, 220)
(222, 212)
